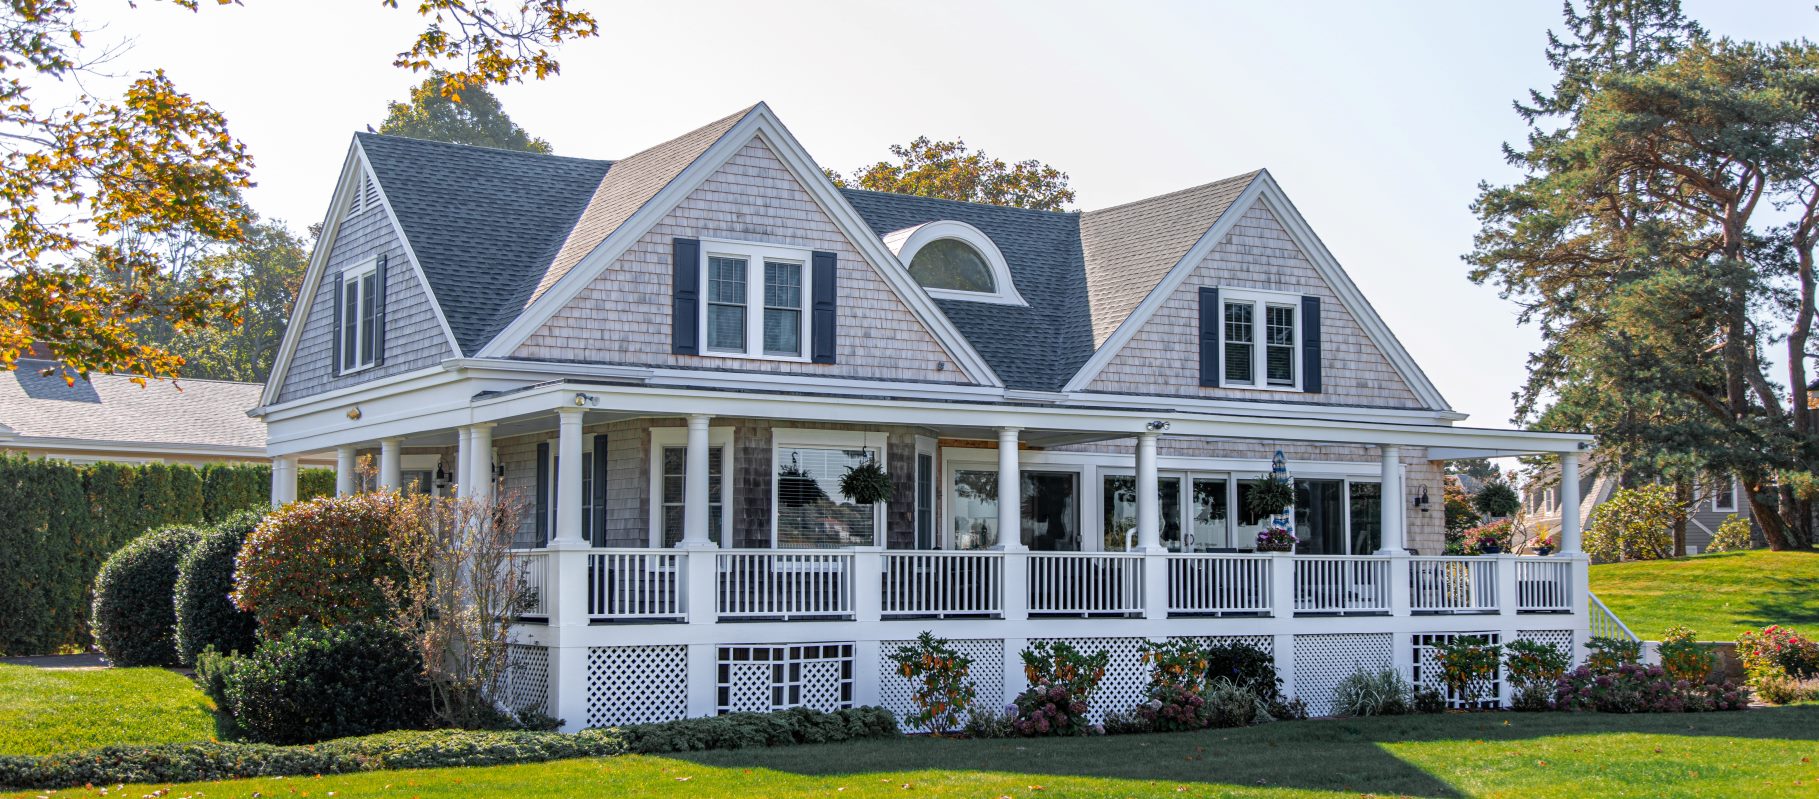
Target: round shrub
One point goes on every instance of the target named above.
(132, 616)
(319, 562)
(313, 683)
(206, 615)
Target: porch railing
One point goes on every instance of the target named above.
(533, 578)
(1453, 585)
(942, 584)
(634, 585)
(1604, 623)
(768, 584)
(1544, 585)
(1219, 584)
(1085, 583)
(1342, 584)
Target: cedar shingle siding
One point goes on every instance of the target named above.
(623, 316)
(1162, 358)
(413, 338)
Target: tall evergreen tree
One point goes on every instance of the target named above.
(472, 116)
(1639, 242)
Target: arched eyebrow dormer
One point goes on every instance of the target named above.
(953, 260)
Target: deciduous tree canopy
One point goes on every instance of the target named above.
(477, 118)
(949, 171)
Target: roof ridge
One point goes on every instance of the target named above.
(968, 203)
(125, 376)
(1209, 184)
(479, 147)
(740, 114)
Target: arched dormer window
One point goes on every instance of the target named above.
(955, 261)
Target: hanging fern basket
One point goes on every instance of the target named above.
(866, 483)
(1270, 495)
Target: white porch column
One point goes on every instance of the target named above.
(391, 456)
(1010, 493)
(569, 460)
(1149, 503)
(1395, 537)
(464, 452)
(1569, 504)
(284, 480)
(346, 463)
(480, 462)
(695, 508)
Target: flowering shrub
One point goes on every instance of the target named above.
(942, 692)
(1062, 681)
(1491, 537)
(323, 561)
(1683, 658)
(1732, 534)
(1051, 710)
(1468, 663)
(1607, 654)
(1634, 524)
(1777, 651)
(1533, 668)
(1058, 663)
(1633, 688)
(1173, 699)
(1276, 539)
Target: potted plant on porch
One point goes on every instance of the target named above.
(866, 483)
(1489, 539)
(1276, 539)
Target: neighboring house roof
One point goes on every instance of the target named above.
(193, 415)
(483, 223)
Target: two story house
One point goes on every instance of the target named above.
(673, 358)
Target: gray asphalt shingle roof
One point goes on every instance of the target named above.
(112, 408)
(494, 229)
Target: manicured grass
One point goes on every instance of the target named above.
(1718, 596)
(1755, 754)
(59, 710)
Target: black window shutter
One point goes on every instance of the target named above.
(1310, 345)
(543, 505)
(822, 331)
(339, 316)
(598, 525)
(1209, 337)
(685, 320)
(379, 292)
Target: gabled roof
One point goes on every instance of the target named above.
(483, 223)
(1129, 248)
(35, 407)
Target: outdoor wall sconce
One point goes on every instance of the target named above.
(586, 400)
(1420, 500)
(354, 413)
(1157, 426)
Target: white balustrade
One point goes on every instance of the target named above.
(1219, 584)
(635, 584)
(1453, 585)
(533, 580)
(1342, 584)
(1085, 583)
(942, 584)
(1605, 624)
(1544, 585)
(772, 584)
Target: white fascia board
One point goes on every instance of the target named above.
(761, 123)
(133, 447)
(1177, 274)
(1130, 421)
(1265, 189)
(407, 381)
(345, 186)
(1295, 409)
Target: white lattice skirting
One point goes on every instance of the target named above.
(986, 672)
(636, 684)
(1323, 661)
(527, 678)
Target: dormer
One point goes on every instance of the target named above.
(953, 260)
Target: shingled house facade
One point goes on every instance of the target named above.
(673, 358)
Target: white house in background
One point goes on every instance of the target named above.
(111, 418)
(1714, 500)
(675, 356)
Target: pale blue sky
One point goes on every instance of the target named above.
(1378, 119)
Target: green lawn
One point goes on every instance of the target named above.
(1756, 754)
(57, 710)
(1719, 596)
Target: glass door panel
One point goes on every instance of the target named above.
(1209, 527)
(1319, 517)
(1051, 511)
(1120, 504)
(1367, 518)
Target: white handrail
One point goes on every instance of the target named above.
(635, 584)
(1342, 584)
(945, 583)
(1604, 623)
(1218, 584)
(1441, 584)
(1086, 583)
(533, 577)
(785, 584)
(1544, 585)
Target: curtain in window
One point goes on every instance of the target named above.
(811, 512)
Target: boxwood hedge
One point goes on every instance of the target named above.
(133, 617)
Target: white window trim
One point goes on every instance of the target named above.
(1260, 299)
(909, 241)
(350, 290)
(783, 438)
(930, 447)
(662, 437)
(1731, 508)
(755, 254)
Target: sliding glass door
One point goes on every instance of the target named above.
(1050, 512)
(1193, 510)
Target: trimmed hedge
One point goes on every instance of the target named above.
(133, 617)
(206, 616)
(59, 522)
(313, 683)
(168, 763)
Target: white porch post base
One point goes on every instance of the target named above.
(868, 662)
(1283, 649)
(1401, 583)
(1014, 680)
(568, 684)
(703, 680)
(700, 596)
(1282, 585)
